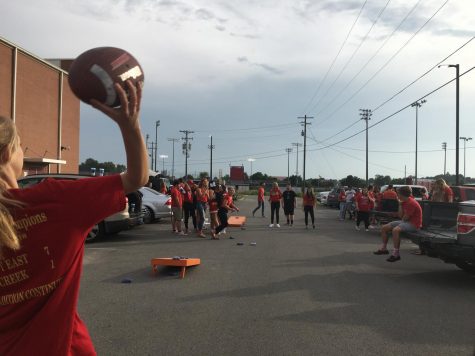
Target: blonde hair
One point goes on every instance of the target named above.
(438, 192)
(9, 143)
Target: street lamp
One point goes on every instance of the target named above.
(417, 105)
(465, 139)
(163, 162)
(366, 115)
(457, 101)
(444, 147)
(157, 123)
(251, 160)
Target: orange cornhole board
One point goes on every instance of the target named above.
(236, 221)
(168, 261)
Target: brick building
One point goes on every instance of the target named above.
(35, 93)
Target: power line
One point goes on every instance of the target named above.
(372, 57)
(336, 57)
(384, 65)
(352, 56)
(403, 89)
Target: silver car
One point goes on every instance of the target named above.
(155, 205)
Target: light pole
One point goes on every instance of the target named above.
(211, 147)
(417, 105)
(457, 101)
(366, 115)
(288, 150)
(251, 160)
(444, 147)
(465, 139)
(163, 162)
(173, 156)
(157, 123)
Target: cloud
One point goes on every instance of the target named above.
(264, 66)
(220, 28)
(454, 32)
(252, 37)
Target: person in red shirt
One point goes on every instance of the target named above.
(309, 202)
(275, 196)
(260, 199)
(188, 207)
(42, 247)
(411, 220)
(442, 192)
(201, 201)
(389, 193)
(363, 206)
(213, 207)
(177, 207)
(342, 202)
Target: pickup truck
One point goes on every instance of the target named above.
(448, 233)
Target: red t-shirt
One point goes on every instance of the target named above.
(342, 197)
(448, 192)
(413, 210)
(275, 195)
(308, 200)
(389, 194)
(260, 194)
(177, 197)
(39, 283)
(364, 203)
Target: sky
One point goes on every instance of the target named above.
(244, 72)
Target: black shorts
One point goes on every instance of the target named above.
(288, 210)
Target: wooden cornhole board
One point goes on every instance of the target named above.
(169, 261)
(236, 221)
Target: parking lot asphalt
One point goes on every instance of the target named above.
(296, 292)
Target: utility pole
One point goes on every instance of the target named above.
(157, 123)
(304, 134)
(444, 147)
(296, 144)
(173, 155)
(288, 150)
(465, 139)
(211, 147)
(186, 148)
(366, 115)
(152, 151)
(417, 105)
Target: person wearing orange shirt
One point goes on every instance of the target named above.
(390, 193)
(274, 198)
(309, 202)
(260, 200)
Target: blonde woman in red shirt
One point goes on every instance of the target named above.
(309, 202)
(42, 245)
(275, 196)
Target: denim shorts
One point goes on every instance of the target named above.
(403, 225)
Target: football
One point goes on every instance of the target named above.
(92, 75)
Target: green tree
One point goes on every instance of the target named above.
(380, 180)
(352, 181)
(203, 175)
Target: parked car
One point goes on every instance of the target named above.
(322, 197)
(332, 198)
(110, 225)
(155, 205)
(417, 190)
(463, 193)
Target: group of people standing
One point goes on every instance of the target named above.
(288, 200)
(190, 200)
(409, 210)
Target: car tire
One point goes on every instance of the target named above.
(95, 233)
(148, 216)
(468, 267)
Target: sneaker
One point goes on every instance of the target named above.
(366, 229)
(263, 216)
(381, 252)
(181, 233)
(278, 225)
(393, 258)
(357, 227)
(271, 225)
